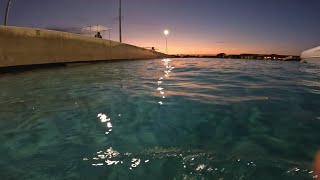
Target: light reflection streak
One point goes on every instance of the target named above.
(167, 71)
(135, 162)
(109, 125)
(104, 119)
(193, 162)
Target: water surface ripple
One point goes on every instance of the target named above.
(161, 119)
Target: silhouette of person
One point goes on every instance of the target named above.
(98, 35)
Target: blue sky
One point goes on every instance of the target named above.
(196, 26)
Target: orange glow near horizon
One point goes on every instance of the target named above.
(185, 44)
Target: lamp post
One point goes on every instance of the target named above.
(120, 35)
(166, 33)
(7, 12)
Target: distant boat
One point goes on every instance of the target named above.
(311, 55)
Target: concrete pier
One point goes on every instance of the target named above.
(28, 46)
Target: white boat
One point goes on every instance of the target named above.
(311, 55)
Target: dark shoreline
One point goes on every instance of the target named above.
(266, 57)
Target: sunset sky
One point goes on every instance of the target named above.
(196, 26)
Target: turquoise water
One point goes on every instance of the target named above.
(161, 119)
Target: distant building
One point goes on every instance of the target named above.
(234, 56)
(249, 56)
(282, 57)
(260, 56)
(274, 57)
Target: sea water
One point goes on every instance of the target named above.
(161, 119)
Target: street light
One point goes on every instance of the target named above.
(166, 32)
(7, 12)
(120, 29)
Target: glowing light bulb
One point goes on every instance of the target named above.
(166, 32)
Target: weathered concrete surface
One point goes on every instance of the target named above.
(27, 46)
